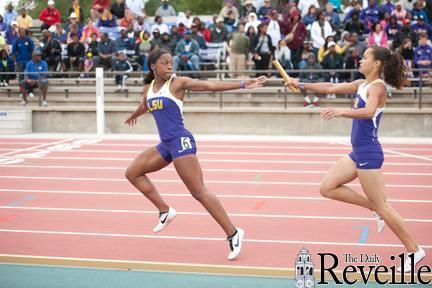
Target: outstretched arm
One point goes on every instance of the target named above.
(200, 85)
(327, 87)
(375, 97)
(141, 109)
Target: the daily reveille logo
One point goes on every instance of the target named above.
(362, 268)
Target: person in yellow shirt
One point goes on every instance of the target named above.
(24, 20)
(323, 50)
(76, 8)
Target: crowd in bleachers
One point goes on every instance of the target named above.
(303, 34)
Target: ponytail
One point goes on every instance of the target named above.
(152, 59)
(393, 67)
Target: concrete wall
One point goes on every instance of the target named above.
(395, 122)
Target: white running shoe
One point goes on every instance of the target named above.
(31, 95)
(165, 219)
(418, 256)
(380, 222)
(235, 243)
(44, 103)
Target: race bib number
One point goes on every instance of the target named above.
(186, 143)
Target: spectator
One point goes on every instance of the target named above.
(3, 26)
(88, 31)
(12, 34)
(35, 76)
(354, 25)
(142, 25)
(202, 30)
(377, 37)
(186, 54)
(369, 15)
(336, 4)
(320, 30)
(106, 52)
(264, 10)
(283, 55)
(274, 27)
(107, 20)
(332, 16)
(418, 11)
(387, 7)
(162, 27)
(183, 21)
(155, 36)
(392, 28)
(49, 15)
(405, 32)
(230, 15)
(357, 45)
(353, 63)
(423, 55)
(122, 67)
(247, 9)
(143, 49)
(407, 52)
(73, 20)
(22, 51)
(124, 43)
(250, 33)
(60, 34)
(98, 7)
(399, 12)
(305, 50)
(304, 5)
(76, 8)
(6, 66)
(137, 7)
(310, 17)
(356, 8)
(252, 21)
(420, 27)
(74, 30)
(220, 33)
(51, 51)
(165, 42)
(93, 45)
(3, 44)
(118, 9)
(239, 49)
(10, 15)
(311, 77)
(128, 20)
(175, 35)
(333, 60)
(196, 35)
(297, 33)
(165, 10)
(213, 25)
(325, 49)
(262, 49)
(88, 64)
(75, 55)
(24, 20)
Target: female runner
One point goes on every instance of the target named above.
(163, 98)
(367, 157)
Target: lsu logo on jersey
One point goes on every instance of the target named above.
(356, 101)
(155, 105)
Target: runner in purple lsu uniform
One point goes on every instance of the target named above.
(367, 156)
(163, 98)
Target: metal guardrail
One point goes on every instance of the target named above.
(222, 75)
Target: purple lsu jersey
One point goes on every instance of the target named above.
(365, 131)
(166, 110)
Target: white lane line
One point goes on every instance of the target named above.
(232, 161)
(137, 194)
(207, 181)
(35, 147)
(261, 241)
(282, 216)
(204, 169)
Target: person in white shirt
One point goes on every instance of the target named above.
(165, 10)
(304, 5)
(274, 27)
(283, 55)
(252, 21)
(136, 7)
(320, 30)
(162, 27)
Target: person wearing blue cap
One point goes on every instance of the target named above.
(186, 53)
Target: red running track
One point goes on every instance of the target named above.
(67, 199)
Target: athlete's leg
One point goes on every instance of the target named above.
(147, 162)
(372, 182)
(332, 186)
(189, 170)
